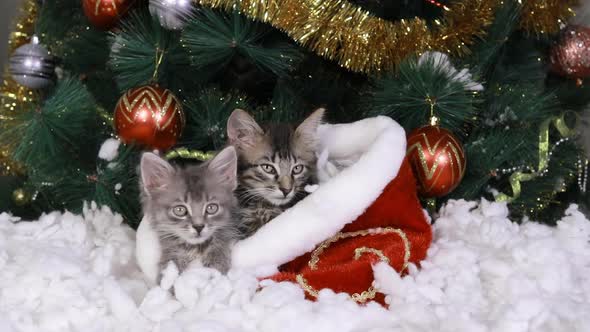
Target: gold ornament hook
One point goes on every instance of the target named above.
(433, 119)
(159, 57)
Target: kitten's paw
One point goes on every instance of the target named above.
(325, 168)
(169, 275)
(323, 158)
(310, 188)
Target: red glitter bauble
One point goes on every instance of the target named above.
(150, 116)
(438, 160)
(105, 14)
(570, 56)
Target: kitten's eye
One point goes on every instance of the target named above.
(179, 211)
(268, 168)
(212, 208)
(298, 169)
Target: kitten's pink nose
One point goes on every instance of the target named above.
(285, 191)
(198, 228)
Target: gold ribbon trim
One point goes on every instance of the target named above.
(185, 153)
(370, 293)
(517, 178)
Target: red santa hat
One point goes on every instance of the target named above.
(365, 210)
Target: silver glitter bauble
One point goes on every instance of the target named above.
(172, 14)
(32, 66)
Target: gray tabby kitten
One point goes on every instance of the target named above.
(192, 209)
(275, 163)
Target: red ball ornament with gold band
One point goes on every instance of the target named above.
(150, 116)
(437, 158)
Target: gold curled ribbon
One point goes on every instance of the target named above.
(185, 153)
(371, 291)
(517, 178)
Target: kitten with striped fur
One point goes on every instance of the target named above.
(192, 209)
(275, 163)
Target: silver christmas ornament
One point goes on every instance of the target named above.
(172, 14)
(32, 66)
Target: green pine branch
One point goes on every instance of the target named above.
(213, 38)
(404, 96)
(485, 53)
(537, 199)
(66, 32)
(114, 184)
(142, 52)
(52, 135)
(207, 112)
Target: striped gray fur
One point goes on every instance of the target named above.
(275, 163)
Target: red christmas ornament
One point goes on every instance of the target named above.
(570, 56)
(105, 14)
(438, 160)
(149, 116)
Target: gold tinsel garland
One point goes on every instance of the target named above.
(13, 96)
(545, 16)
(341, 31)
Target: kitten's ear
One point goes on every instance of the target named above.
(155, 172)
(225, 166)
(307, 130)
(242, 129)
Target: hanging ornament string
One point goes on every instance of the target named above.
(582, 174)
(431, 201)
(517, 178)
(159, 57)
(432, 102)
(185, 153)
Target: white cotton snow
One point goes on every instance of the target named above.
(109, 149)
(66, 272)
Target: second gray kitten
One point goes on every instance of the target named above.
(192, 209)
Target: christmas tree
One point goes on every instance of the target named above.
(504, 79)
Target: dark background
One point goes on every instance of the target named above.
(8, 9)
